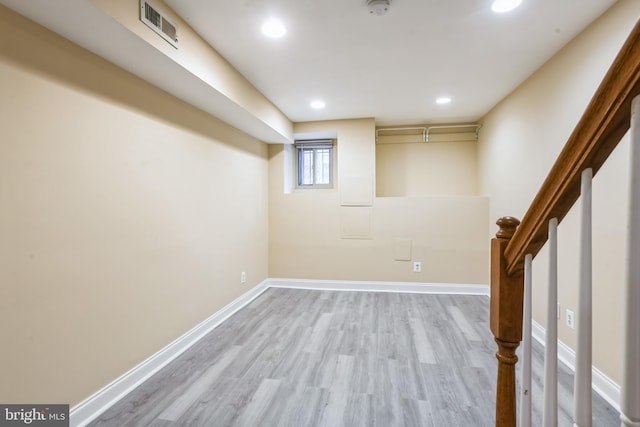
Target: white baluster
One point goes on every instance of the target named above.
(582, 379)
(525, 397)
(630, 393)
(550, 409)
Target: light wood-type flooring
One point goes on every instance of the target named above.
(332, 358)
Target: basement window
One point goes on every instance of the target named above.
(314, 163)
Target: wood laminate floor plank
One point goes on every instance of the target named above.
(297, 358)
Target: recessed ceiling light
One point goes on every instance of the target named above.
(273, 28)
(443, 100)
(501, 6)
(317, 104)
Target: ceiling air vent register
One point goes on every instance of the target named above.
(158, 22)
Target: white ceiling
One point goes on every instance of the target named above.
(390, 67)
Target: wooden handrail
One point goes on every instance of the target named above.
(603, 124)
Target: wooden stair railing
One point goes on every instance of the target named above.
(602, 126)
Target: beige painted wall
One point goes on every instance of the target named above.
(427, 169)
(448, 233)
(126, 217)
(200, 59)
(519, 141)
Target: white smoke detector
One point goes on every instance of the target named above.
(378, 7)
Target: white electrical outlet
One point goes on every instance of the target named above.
(417, 267)
(243, 277)
(570, 319)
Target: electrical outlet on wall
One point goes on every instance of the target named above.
(570, 319)
(417, 267)
(243, 277)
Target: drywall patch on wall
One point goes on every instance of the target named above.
(356, 190)
(355, 222)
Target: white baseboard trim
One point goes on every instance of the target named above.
(90, 408)
(375, 286)
(602, 384)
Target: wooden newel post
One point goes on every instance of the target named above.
(506, 321)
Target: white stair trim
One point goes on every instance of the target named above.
(602, 384)
(90, 408)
